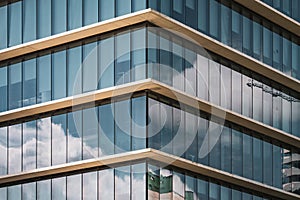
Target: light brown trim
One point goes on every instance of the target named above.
(272, 14)
(161, 21)
(157, 156)
(162, 89)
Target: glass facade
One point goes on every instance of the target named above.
(115, 59)
(226, 21)
(121, 127)
(137, 181)
(288, 7)
(147, 119)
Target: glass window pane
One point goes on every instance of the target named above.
(59, 16)
(257, 40)
(90, 133)
(237, 148)
(15, 86)
(214, 191)
(190, 72)
(90, 12)
(214, 19)
(236, 92)
(178, 186)
(287, 56)
(74, 139)
(89, 189)
(89, 67)
(165, 7)
(247, 97)
(122, 126)
(165, 70)
(107, 9)
(154, 124)
(58, 188)
(29, 191)
(277, 166)
(15, 149)
(138, 53)
(202, 77)
(106, 184)
(138, 177)
(296, 118)
(225, 25)
(178, 66)
(202, 189)
(29, 21)
(29, 82)
(203, 15)
(122, 181)
(74, 71)
(225, 193)
(74, 14)
(106, 62)
(138, 107)
(29, 145)
(14, 192)
(277, 51)
(106, 132)
(138, 5)
(44, 18)
(267, 46)
(236, 30)
(247, 29)
(44, 142)
(3, 150)
(191, 13)
(267, 163)
(123, 7)
(267, 105)
(74, 187)
(15, 23)
(44, 190)
(257, 160)
(58, 139)
(44, 79)
(59, 75)
(296, 59)
(4, 27)
(226, 149)
(3, 89)
(247, 156)
(214, 82)
(122, 73)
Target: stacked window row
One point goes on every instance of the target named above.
(120, 183)
(78, 135)
(28, 20)
(126, 183)
(153, 53)
(124, 126)
(289, 7)
(229, 148)
(189, 68)
(239, 28)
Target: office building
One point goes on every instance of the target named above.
(149, 99)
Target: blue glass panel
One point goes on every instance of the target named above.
(29, 191)
(247, 156)
(214, 82)
(14, 192)
(286, 115)
(277, 166)
(191, 146)
(138, 55)
(286, 7)
(59, 75)
(123, 7)
(257, 40)
(203, 144)
(257, 160)
(247, 36)
(247, 97)
(90, 133)
(237, 148)
(44, 190)
(236, 30)
(74, 187)
(191, 14)
(74, 137)
(59, 16)
(44, 78)
(296, 60)
(29, 82)
(296, 118)
(15, 149)
(74, 69)
(226, 149)
(287, 56)
(138, 177)
(44, 142)
(43, 18)
(106, 130)
(122, 126)
(267, 163)
(165, 7)
(15, 86)
(153, 56)
(225, 25)
(178, 67)
(29, 145)
(214, 191)
(89, 67)
(122, 69)
(202, 77)
(267, 46)
(3, 151)
(138, 110)
(178, 10)
(4, 27)
(166, 132)
(214, 19)
(190, 65)
(90, 12)
(58, 188)
(15, 23)
(89, 183)
(154, 126)
(106, 184)
(3, 89)
(236, 195)
(74, 14)
(106, 63)
(165, 70)
(29, 20)
(122, 183)
(277, 51)
(138, 5)
(107, 9)
(202, 189)
(203, 15)
(225, 193)
(178, 132)
(178, 185)
(58, 139)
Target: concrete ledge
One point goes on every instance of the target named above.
(151, 154)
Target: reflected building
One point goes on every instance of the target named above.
(149, 99)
